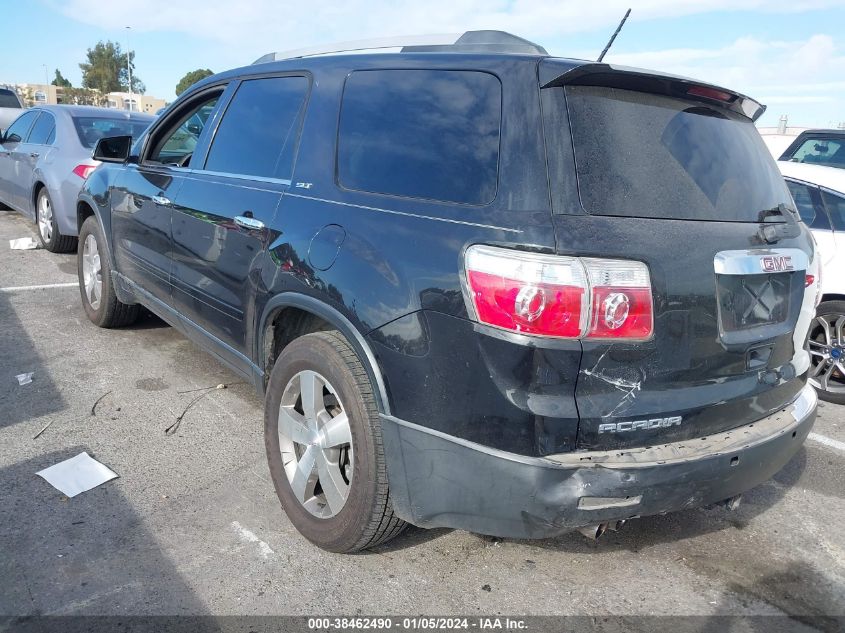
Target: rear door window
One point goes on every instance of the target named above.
(260, 128)
(430, 134)
(835, 205)
(44, 130)
(654, 156)
(808, 201)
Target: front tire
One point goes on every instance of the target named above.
(99, 299)
(827, 351)
(323, 438)
(48, 228)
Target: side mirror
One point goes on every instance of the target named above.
(113, 149)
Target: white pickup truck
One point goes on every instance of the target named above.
(10, 107)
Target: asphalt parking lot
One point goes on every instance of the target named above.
(192, 525)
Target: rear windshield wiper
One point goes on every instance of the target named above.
(774, 232)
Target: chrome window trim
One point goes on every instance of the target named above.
(226, 174)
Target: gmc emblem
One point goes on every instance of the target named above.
(776, 263)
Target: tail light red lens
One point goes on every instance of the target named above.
(562, 297)
(83, 170)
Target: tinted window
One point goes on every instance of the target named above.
(258, 133)
(836, 208)
(421, 134)
(17, 131)
(91, 129)
(821, 151)
(8, 99)
(43, 130)
(808, 202)
(646, 155)
(176, 146)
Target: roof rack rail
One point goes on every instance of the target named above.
(468, 42)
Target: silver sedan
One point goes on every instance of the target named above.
(45, 157)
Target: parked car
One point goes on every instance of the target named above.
(819, 194)
(479, 287)
(45, 156)
(817, 147)
(10, 106)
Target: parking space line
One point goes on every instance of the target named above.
(827, 441)
(74, 284)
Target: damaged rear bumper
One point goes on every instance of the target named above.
(437, 480)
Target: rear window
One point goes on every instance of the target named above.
(645, 155)
(820, 151)
(429, 134)
(8, 99)
(90, 129)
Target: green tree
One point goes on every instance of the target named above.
(82, 96)
(60, 80)
(191, 78)
(106, 69)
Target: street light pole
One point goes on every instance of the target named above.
(129, 67)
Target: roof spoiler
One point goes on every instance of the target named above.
(554, 74)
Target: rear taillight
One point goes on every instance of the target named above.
(83, 170)
(562, 297)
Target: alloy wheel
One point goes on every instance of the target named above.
(91, 272)
(827, 350)
(315, 439)
(45, 217)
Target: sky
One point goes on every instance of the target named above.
(787, 54)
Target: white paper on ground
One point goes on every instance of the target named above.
(77, 474)
(24, 379)
(23, 244)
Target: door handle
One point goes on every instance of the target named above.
(34, 154)
(161, 201)
(249, 223)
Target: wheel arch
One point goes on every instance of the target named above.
(37, 186)
(333, 318)
(85, 208)
(832, 296)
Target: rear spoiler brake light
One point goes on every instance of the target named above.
(554, 74)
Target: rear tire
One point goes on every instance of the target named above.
(48, 229)
(827, 348)
(95, 281)
(344, 505)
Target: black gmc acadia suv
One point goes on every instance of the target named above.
(479, 287)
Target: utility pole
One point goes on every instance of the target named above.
(129, 66)
(46, 76)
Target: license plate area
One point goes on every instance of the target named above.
(758, 293)
(749, 301)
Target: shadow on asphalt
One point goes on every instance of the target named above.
(88, 555)
(19, 403)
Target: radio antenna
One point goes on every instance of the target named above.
(613, 37)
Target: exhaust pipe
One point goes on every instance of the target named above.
(593, 532)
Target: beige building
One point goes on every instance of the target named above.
(139, 103)
(45, 94)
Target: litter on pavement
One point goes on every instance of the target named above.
(24, 379)
(77, 474)
(23, 244)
